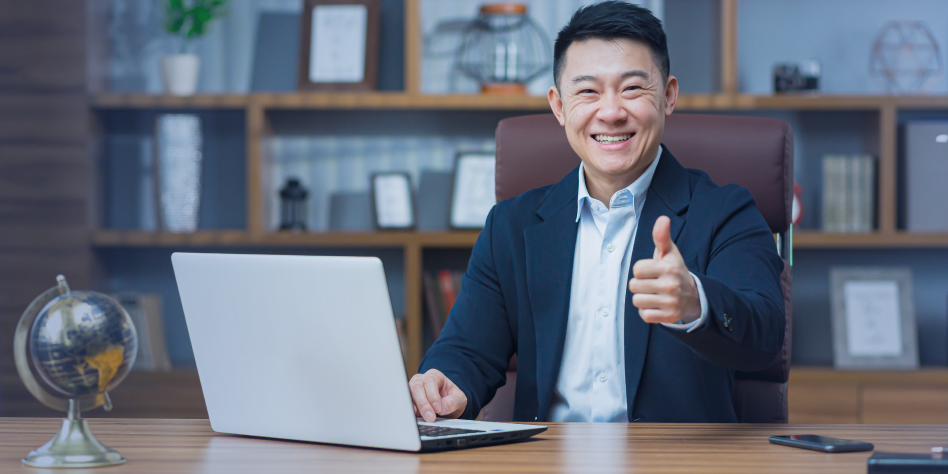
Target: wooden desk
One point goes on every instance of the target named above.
(153, 445)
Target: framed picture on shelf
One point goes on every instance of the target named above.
(873, 318)
(472, 195)
(339, 45)
(392, 204)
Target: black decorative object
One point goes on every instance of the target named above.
(803, 76)
(293, 205)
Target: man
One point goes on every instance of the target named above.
(632, 289)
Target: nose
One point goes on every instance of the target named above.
(611, 110)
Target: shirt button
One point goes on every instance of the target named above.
(605, 311)
(602, 377)
(610, 247)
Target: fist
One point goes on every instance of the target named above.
(434, 395)
(664, 290)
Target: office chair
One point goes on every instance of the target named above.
(756, 153)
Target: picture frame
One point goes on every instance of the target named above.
(341, 51)
(393, 206)
(472, 192)
(873, 316)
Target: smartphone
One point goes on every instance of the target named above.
(823, 444)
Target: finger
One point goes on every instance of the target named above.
(650, 286)
(661, 235)
(662, 302)
(655, 316)
(453, 404)
(648, 268)
(433, 383)
(417, 388)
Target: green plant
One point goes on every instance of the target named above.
(189, 19)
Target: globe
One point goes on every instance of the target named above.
(83, 343)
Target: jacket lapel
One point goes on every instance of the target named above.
(550, 248)
(668, 195)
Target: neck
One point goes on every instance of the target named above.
(602, 187)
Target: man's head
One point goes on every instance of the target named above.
(613, 89)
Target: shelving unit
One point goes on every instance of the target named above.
(259, 108)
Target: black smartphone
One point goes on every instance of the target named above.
(823, 444)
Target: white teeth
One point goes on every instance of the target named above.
(612, 138)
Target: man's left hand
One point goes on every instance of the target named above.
(664, 290)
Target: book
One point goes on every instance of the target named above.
(849, 193)
(433, 304)
(146, 313)
(449, 292)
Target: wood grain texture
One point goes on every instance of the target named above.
(191, 446)
(923, 405)
(413, 316)
(888, 169)
(729, 77)
(45, 173)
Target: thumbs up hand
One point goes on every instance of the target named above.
(664, 290)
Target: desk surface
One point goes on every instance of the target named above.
(190, 446)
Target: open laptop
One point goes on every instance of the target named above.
(305, 348)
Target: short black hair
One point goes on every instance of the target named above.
(608, 20)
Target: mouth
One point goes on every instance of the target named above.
(612, 139)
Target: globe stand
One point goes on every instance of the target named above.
(73, 446)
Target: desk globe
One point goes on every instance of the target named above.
(82, 345)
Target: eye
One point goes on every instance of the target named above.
(587, 91)
(632, 88)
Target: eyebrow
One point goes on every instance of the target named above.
(625, 75)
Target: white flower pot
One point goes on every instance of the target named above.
(179, 72)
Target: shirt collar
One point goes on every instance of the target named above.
(638, 188)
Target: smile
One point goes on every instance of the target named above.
(601, 138)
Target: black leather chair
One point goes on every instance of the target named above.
(756, 153)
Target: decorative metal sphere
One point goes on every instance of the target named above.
(83, 344)
(503, 46)
(905, 56)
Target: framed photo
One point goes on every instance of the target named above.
(392, 205)
(339, 45)
(873, 318)
(472, 195)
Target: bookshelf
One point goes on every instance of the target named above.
(259, 109)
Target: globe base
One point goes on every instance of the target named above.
(73, 446)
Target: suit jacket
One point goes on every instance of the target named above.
(515, 294)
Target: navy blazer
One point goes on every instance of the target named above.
(514, 298)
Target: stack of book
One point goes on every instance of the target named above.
(441, 291)
(849, 193)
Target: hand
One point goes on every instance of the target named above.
(664, 290)
(435, 395)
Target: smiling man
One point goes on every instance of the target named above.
(632, 289)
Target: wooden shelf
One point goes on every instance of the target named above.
(815, 240)
(401, 100)
(452, 239)
(236, 238)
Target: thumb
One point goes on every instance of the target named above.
(661, 235)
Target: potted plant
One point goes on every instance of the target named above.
(187, 20)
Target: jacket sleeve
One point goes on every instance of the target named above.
(477, 342)
(741, 281)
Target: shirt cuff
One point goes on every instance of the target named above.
(704, 311)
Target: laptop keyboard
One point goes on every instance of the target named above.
(435, 431)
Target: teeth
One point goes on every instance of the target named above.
(612, 138)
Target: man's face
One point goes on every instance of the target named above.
(613, 102)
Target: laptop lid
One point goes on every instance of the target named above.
(297, 347)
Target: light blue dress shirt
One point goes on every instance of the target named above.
(591, 382)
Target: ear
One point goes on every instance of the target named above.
(556, 103)
(671, 95)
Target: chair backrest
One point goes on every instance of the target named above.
(753, 152)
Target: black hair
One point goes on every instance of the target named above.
(608, 20)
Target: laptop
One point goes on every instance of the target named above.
(305, 348)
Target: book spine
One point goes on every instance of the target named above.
(869, 183)
(434, 308)
(854, 193)
(832, 194)
(448, 292)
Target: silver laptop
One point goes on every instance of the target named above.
(305, 348)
